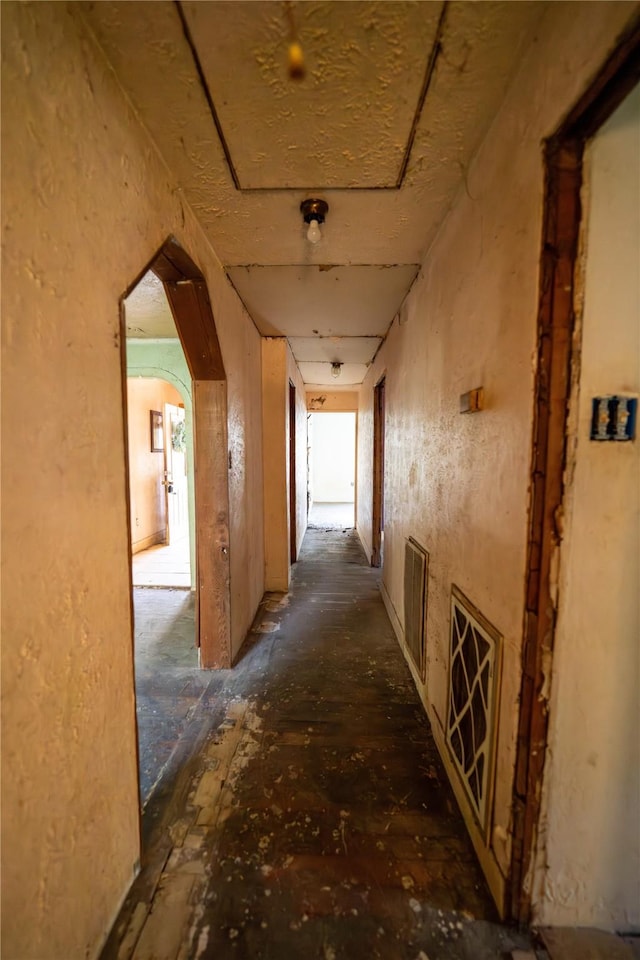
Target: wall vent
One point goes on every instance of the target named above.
(474, 662)
(416, 561)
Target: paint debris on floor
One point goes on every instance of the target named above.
(309, 815)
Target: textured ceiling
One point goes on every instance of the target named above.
(349, 123)
(147, 312)
(380, 105)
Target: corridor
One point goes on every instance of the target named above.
(315, 818)
(419, 216)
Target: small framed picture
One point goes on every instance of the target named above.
(157, 431)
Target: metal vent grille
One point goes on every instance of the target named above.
(416, 560)
(471, 713)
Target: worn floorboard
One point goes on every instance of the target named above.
(305, 812)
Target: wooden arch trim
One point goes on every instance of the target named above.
(563, 157)
(188, 297)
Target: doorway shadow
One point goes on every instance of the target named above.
(169, 682)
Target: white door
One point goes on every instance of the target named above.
(176, 472)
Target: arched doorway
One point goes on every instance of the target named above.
(188, 298)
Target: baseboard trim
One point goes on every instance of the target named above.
(160, 536)
(107, 933)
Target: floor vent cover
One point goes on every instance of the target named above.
(471, 714)
(416, 561)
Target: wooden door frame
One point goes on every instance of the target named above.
(293, 526)
(557, 367)
(377, 513)
(188, 298)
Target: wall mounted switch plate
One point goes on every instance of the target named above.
(613, 418)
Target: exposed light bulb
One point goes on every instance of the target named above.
(335, 370)
(313, 233)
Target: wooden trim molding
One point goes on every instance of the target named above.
(212, 522)
(555, 327)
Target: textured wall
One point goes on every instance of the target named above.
(590, 847)
(332, 401)
(459, 483)
(86, 203)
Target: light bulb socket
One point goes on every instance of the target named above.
(314, 210)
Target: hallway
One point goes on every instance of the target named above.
(316, 819)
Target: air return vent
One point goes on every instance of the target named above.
(416, 561)
(471, 715)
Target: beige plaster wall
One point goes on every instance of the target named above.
(459, 483)
(278, 369)
(589, 856)
(69, 785)
(332, 401)
(147, 497)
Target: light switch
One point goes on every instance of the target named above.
(613, 418)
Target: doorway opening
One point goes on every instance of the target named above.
(174, 394)
(159, 479)
(332, 470)
(377, 533)
(186, 292)
(160, 472)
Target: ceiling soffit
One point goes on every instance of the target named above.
(325, 300)
(350, 124)
(351, 374)
(334, 349)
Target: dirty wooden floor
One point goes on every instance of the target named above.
(304, 812)
(169, 683)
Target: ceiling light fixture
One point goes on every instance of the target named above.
(335, 369)
(313, 213)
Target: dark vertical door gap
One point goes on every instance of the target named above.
(378, 473)
(293, 530)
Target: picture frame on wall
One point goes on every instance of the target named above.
(157, 431)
